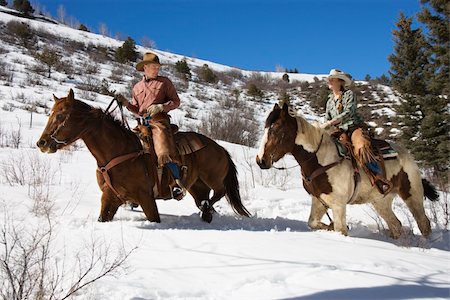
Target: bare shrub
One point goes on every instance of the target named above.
(87, 95)
(40, 178)
(235, 74)
(15, 137)
(89, 83)
(88, 67)
(117, 74)
(13, 170)
(261, 81)
(32, 268)
(6, 71)
(232, 100)
(230, 126)
(22, 33)
(34, 79)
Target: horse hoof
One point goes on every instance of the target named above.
(100, 219)
(207, 217)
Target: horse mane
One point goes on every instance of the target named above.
(87, 111)
(308, 134)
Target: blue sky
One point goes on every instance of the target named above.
(313, 36)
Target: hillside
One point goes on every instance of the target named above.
(49, 204)
(86, 62)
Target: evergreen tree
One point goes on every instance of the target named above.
(182, 68)
(254, 91)
(409, 61)
(83, 28)
(127, 52)
(50, 58)
(3, 3)
(436, 18)
(23, 6)
(208, 75)
(422, 115)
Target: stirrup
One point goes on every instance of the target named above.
(383, 186)
(177, 193)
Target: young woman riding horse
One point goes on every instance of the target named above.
(341, 114)
(329, 179)
(125, 172)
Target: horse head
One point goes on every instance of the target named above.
(279, 136)
(62, 128)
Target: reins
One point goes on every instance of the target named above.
(120, 106)
(114, 162)
(119, 159)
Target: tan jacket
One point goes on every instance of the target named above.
(154, 91)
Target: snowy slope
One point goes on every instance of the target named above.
(273, 255)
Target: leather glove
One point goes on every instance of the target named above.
(121, 99)
(325, 125)
(154, 109)
(292, 112)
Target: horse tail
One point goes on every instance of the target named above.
(429, 190)
(231, 184)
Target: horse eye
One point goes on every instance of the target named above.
(59, 117)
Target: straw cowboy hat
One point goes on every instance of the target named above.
(335, 73)
(149, 58)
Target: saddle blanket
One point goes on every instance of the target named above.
(383, 147)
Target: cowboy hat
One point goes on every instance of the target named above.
(335, 73)
(149, 58)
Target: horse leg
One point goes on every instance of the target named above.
(383, 207)
(148, 203)
(109, 205)
(315, 217)
(415, 205)
(340, 218)
(200, 192)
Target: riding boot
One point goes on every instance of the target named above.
(368, 160)
(178, 190)
(377, 179)
(166, 152)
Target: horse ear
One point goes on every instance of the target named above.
(71, 95)
(56, 99)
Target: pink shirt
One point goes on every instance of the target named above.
(153, 91)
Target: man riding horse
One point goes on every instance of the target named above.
(341, 113)
(153, 97)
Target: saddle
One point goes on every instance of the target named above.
(381, 149)
(185, 142)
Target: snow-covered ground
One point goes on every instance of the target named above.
(273, 255)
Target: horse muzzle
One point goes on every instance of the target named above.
(263, 164)
(46, 146)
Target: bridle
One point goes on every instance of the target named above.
(61, 125)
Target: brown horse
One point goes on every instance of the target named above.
(334, 185)
(126, 173)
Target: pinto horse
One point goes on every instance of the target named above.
(334, 186)
(126, 172)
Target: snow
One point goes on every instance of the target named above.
(273, 255)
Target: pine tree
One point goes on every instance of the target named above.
(182, 68)
(436, 17)
(436, 122)
(50, 58)
(207, 75)
(422, 115)
(127, 52)
(409, 60)
(83, 28)
(23, 6)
